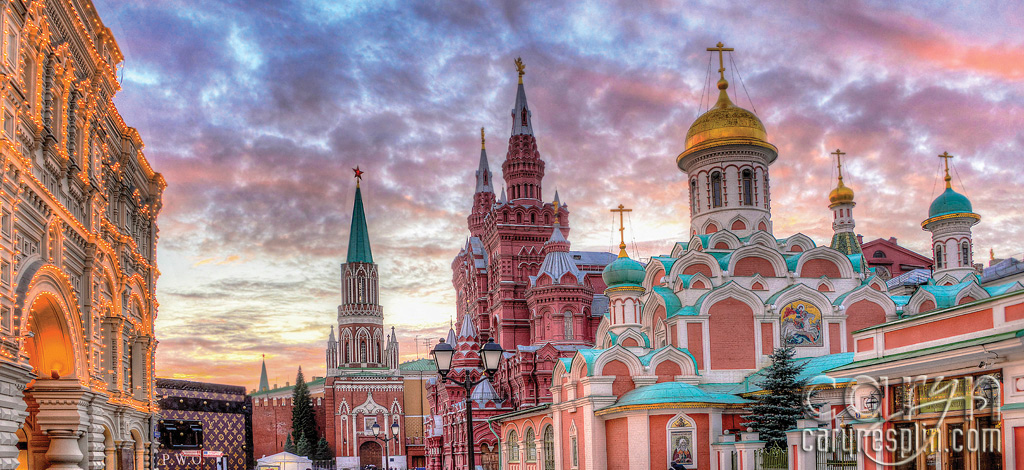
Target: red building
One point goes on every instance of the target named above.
(890, 259)
(517, 281)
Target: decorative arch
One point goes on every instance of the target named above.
(738, 223)
(970, 293)
(655, 272)
(634, 336)
(710, 227)
(763, 225)
(731, 290)
(753, 252)
(762, 238)
(800, 242)
(695, 244)
(825, 285)
(697, 281)
(811, 261)
(695, 259)
(621, 354)
(865, 292)
(681, 433)
(727, 237)
(921, 301)
(947, 280)
(56, 324)
(671, 354)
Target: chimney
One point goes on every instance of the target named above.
(860, 239)
(892, 240)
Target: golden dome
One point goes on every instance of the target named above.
(725, 122)
(840, 195)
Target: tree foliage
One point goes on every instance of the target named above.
(323, 450)
(289, 446)
(303, 416)
(303, 448)
(777, 410)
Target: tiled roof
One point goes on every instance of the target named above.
(910, 278)
(672, 393)
(418, 365)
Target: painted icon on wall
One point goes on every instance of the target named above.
(801, 324)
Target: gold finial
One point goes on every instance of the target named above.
(521, 68)
(482, 140)
(991, 254)
(557, 206)
(839, 163)
(946, 156)
(622, 230)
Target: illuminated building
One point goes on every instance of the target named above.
(78, 208)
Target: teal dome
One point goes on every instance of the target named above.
(949, 202)
(623, 271)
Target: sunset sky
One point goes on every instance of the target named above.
(256, 111)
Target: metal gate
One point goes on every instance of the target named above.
(773, 458)
(838, 453)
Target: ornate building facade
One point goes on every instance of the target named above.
(516, 281)
(78, 208)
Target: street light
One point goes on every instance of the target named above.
(490, 355)
(375, 429)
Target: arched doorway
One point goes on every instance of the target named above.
(489, 456)
(109, 451)
(370, 453)
(49, 346)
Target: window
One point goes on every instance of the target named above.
(965, 253)
(181, 434)
(524, 116)
(693, 195)
(346, 352)
(513, 446)
(716, 189)
(362, 350)
(568, 325)
(5, 272)
(879, 254)
(11, 44)
(5, 319)
(531, 448)
(549, 448)
(8, 123)
(938, 257)
(572, 451)
(680, 433)
(748, 188)
(126, 361)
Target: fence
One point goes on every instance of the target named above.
(324, 464)
(837, 453)
(772, 458)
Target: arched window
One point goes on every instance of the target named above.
(680, 433)
(693, 195)
(531, 448)
(513, 446)
(524, 116)
(716, 189)
(879, 254)
(519, 218)
(574, 456)
(965, 254)
(533, 218)
(549, 448)
(362, 350)
(748, 188)
(568, 325)
(938, 257)
(660, 334)
(347, 352)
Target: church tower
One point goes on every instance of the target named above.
(950, 218)
(624, 278)
(726, 159)
(483, 197)
(841, 202)
(360, 316)
(523, 169)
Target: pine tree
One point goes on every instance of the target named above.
(777, 410)
(303, 417)
(302, 448)
(323, 450)
(289, 446)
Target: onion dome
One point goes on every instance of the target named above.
(950, 203)
(725, 123)
(623, 271)
(841, 194)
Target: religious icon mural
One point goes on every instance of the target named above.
(801, 324)
(680, 443)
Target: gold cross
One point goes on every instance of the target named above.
(622, 229)
(721, 62)
(946, 156)
(839, 154)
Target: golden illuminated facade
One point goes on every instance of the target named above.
(78, 207)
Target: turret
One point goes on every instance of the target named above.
(523, 169)
(264, 383)
(332, 351)
(483, 196)
(841, 202)
(950, 218)
(624, 278)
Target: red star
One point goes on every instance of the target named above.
(359, 173)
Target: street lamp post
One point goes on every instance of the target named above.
(375, 429)
(490, 355)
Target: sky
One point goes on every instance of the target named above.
(255, 113)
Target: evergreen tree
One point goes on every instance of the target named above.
(777, 410)
(289, 446)
(302, 448)
(323, 450)
(303, 415)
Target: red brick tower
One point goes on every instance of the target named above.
(483, 197)
(523, 169)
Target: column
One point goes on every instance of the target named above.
(63, 417)
(801, 442)
(749, 443)
(721, 452)
(13, 410)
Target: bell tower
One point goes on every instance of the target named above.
(523, 168)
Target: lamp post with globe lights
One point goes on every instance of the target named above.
(490, 355)
(375, 429)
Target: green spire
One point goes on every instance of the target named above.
(358, 237)
(264, 383)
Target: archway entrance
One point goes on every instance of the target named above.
(370, 453)
(49, 345)
(489, 456)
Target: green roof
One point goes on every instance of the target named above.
(670, 393)
(945, 296)
(1000, 289)
(418, 365)
(814, 371)
(932, 350)
(949, 202)
(671, 301)
(845, 243)
(623, 271)
(358, 236)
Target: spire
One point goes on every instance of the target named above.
(467, 331)
(622, 228)
(264, 383)
(330, 339)
(358, 237)
(504, 198)
(557, 206)
(522, 118)
(484, 183)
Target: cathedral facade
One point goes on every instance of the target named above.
(78, 208)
